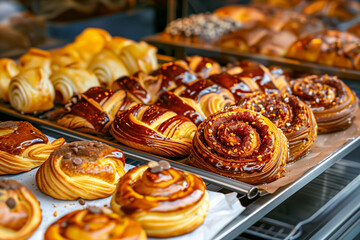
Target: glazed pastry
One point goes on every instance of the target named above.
(31, 91)
(8, 70)
(69, 80)
(116, 44)
(333, 103)
(20, 213)
(203, 66)
(291, 115)
(83, 169)
(155, 130)
(36, 58)
(240, 144)
(107, 67)
(165, 201)
(94, 223)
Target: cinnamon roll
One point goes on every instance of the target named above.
(165, 201)
(8, 70)
(154, 129)
(203, 66)
(333, 103)
(20, 213)
(240, 144)
(291, 115)
(36, 58)
(83, 169)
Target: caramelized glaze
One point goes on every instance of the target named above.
(200, 88)
(134, 87)
(99, 94)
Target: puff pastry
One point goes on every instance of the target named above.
(165, 201)
(203, 66)
(95, 223)
(240, 144)
(36, 58)
(8, 70)
(116, 44)
(20, 213)
(154, 129)
(83, 169)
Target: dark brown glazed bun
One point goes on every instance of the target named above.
(291, 115)
(203, 66)
(333, 103)
(240, 144)
(20, 213)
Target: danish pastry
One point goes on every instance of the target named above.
(203, 66)
(8, 70)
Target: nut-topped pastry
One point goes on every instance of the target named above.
(165, 201)
(82, 169)
(20, 213)
(23, 147)
(95, 223)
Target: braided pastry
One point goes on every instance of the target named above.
(291, 115)
(333, 103)
(154, 129)
(203, 66)
(94, 223)
(20, 213)
(165, 201)
(8, 70)
(84, 169)
(240, 144)
(23, 147)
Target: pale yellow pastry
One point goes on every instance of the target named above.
(36, 58)
(116, 44)
(8, 70)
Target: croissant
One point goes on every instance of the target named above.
(333, 103)
(67, 56)
(95, 223)
(154, 130)
(83, 169)
(240, 144)
(165, 201)
(116, 44)
(36, 58)
(20, 213)
(31, 91)
(291, 115)
(69, 80)
(203, 66)
(8, 70)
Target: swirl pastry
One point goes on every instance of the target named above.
(154, 129)
(20, 213)
(36, 58)
(23, 147)
(291, 115)
(240, 144)
(333, 103)
(68, 80)
(8, 70)
(203, 66)
(165, 201)
(95, 223)
(84, 169)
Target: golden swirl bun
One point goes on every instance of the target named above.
(36, 58)
(154, 129)
(69, 80)
(291, 115)
(8, 70)
(31, 91)
(333, 103)
(83, 169)
(165, 201)
(203, 66)
(20, 213)
(23, 147)
(94, 223)
(240, 144)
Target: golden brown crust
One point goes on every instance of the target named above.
(36, 58)
(8, 70)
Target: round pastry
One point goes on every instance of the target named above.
(36, 58)
(94, 223)
(83, 169)
(203, 66)
(291, 115)
(154, 129)
(165, 201)
(240, 144)
(8, 70)
(23, 147)
(333, 103)
(20, 213)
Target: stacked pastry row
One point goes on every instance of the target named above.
(152, 200)
(93, 59)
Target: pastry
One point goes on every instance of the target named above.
(70, 80)
(203, 66)
(291, 115)
(240, 144)
(154, 129)
(36, 58)
(31, 91)
(83, 169)
(116, 44)
(23, 147)
(8, 70)
(94, 223)
(20, 213)
(165, 201)
(67, 56)
(333, 103)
